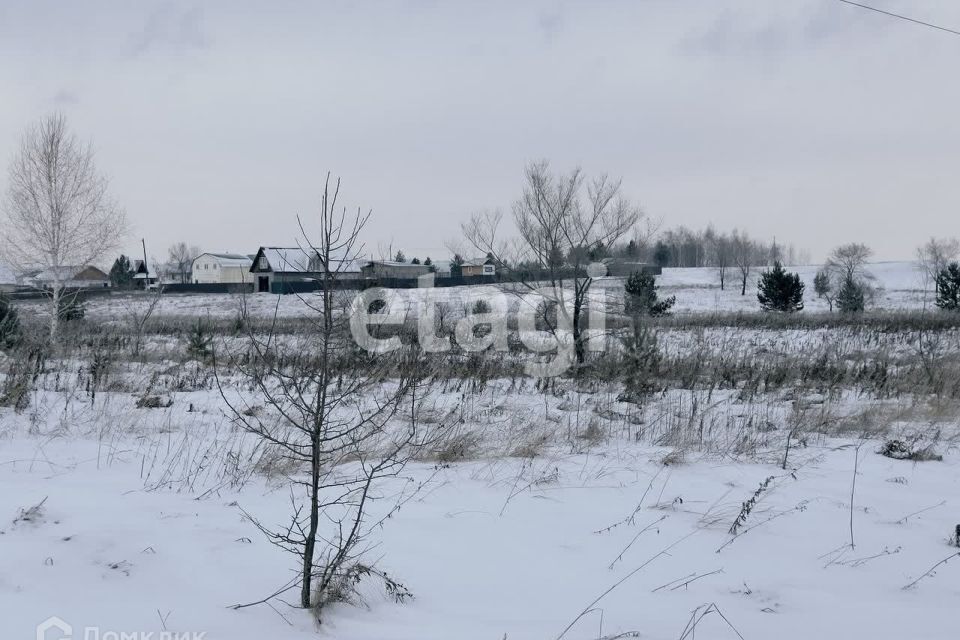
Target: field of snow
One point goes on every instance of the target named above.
(553, 510)
(697, 290)
(586, 544)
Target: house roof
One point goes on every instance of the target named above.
(229, 259)
(286, 259)
(477, 262)
(70, 273)
(394, 263)
(305, 260)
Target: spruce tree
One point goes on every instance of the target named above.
(780, 291)
(948, 287)
(641, 296)
(121, 273)
(851, 298)
(823, 287)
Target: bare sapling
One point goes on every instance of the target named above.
(336, 414)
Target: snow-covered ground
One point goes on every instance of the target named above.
(568, 513)
(900, 285)
(500, 548)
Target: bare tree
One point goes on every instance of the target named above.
(562, 220)
(327, 409)
(849, 262)
(181, 257)
(721, 250)
(58, 215)
(137, 318)
(746, 255)
(846, 270)
(934, 256)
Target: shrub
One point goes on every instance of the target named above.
(70, 307)
(642, 366)
(9, 323)
(779, 290)
(900, 450)
(198, 341)
(948, 288)
(642, 298)
(481, 307)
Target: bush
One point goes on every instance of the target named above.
(641, 296)
(642, 363)
(198, 341)
(779, 290)
(948, 288)
(9, 323)
(70, 307)
(900, 450)
(481, 307)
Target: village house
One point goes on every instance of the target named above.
(478, 267)
(620, 268)
(82, 277)
(379, 269)
(285, 269)
(221, 268)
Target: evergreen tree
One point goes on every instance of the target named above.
(823, 287)
(948, 287)
(121, 273)
(661, 254)
(851, 298)
(428, 262)
(9, 323)
(632, 250)
(456, 267)
(779, 290)
(415, 261)
(400, 257)
(641, 296)
(71, 307)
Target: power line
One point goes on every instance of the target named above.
(901, 17)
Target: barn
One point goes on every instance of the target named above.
(292, 269)
(221, 268)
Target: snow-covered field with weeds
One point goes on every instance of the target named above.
(742, 495)
(511, 548)
(132, 520)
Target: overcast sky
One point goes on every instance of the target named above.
(809, 120)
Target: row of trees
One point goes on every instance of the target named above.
(846, 284)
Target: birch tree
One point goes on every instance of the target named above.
(562, 220)
(58, 216)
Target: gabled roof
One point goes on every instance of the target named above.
(477, 262)
(305, 260)
(394, 263)
(229, 259)
(65, 274)
(286, 259)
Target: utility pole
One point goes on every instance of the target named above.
(146, 269)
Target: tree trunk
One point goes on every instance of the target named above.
(55, 296)
(309, 547)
